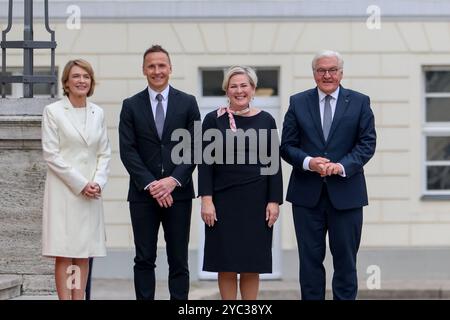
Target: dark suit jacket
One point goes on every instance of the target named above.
(351, 142)
(147, 157)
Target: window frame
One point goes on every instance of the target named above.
(432, 129)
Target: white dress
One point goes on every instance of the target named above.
(76, 152)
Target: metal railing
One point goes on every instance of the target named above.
(28, 45)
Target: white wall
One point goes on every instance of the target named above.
(384, 64)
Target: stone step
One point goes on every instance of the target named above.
(10, 286)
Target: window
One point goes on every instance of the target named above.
(15, 90)
(212, 83)
(437, 132)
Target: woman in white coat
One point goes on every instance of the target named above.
(76, 148)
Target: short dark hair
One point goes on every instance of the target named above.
(156, 48)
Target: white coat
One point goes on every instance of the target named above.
(73, 225)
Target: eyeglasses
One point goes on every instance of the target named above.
(331, 72)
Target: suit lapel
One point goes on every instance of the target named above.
(90, 116)
(73, 121)
(314, 109)
(341, 107)
(147, 111)
(171, 107)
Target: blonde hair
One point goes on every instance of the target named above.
(234, 70)
(86, 66)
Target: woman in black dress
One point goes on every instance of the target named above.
(241, 190)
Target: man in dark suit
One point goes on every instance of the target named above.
(328, 136)
(160, 192)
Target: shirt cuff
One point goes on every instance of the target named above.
(306, 163)
(147, 186)
(178, 182)
(343, 170)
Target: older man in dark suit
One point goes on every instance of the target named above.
(328, 136)
(160, 191)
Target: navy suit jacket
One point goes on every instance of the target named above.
(351, 142)
(147, 157)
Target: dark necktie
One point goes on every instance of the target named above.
(159, 115)
(327, 117)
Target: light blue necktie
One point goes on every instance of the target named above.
(159, 116)
(327, 117)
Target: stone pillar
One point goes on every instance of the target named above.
(22, 178)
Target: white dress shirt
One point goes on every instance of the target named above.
(333, 100)
(152, 94)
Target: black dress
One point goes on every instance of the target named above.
(240, 241)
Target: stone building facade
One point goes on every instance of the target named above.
(397, 62)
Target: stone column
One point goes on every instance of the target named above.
(22, 178)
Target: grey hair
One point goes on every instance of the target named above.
(328, 54)
(234, 70)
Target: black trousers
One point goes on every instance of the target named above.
(146, 218)
(89, 280)
(344, 234)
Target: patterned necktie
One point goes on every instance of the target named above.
(327, 117)
(159, 116)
